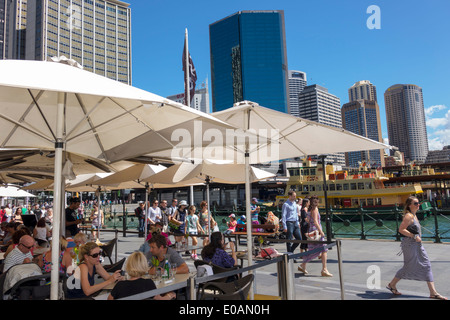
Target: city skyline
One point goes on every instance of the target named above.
(330, 41)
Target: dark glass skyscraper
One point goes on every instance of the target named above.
(249, 60)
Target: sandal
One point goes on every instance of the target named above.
(393, 290)
(302, 270)
(438, 297)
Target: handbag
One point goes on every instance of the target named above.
(413, 229)
(313, 235)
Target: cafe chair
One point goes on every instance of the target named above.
(107, 249)
(236, 290)
(116, 266)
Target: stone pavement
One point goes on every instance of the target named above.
(368, 266)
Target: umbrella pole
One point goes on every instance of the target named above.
(208, 180)
(249, 217)
(146, 211)
(59, 145)
(327, 214)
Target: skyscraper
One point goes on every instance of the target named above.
(95, 33)
(406, 123)
(297, 82)
(249, 60)
(362, 90)
(3, 12)
(363, 118)
(317, 104)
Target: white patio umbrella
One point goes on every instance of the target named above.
(287, 137)
(58, 107)
(14, 192)
(206, 171)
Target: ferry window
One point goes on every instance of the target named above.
(338, 186)
(296, 172)
(305, 188)
(319, 187)
(355, 203)
(352, 186)
(312, 172)
(378, 201)
(368, 185)
(332, 187)
(312, 188)
(360, 186)
(306, 172)
(299, 188)
(363, 202)
(370, 202)
(345, 186)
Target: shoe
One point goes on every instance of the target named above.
(325, 273)
(438, 296)
(394, 290)
(302, 270)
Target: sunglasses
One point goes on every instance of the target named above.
(416, 203)
(95, 255)
(26, 246)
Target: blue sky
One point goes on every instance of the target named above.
(327, 39)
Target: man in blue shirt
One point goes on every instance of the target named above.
(289, 219)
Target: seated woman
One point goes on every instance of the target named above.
(65, 260)
(41, 233)
(82, 283)
(215, 252)
(136, 267)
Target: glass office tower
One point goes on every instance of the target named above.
(249, 60)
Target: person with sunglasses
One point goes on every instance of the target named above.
(82, 283)
(417, 265)
(21, 253)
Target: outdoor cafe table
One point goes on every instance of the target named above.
(179, 277)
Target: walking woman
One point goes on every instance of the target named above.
(313, 218)
(304, 224)
(417, 265)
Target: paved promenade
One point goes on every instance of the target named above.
(367, 268)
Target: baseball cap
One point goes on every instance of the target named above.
(254, 199)
(232, 216)
(243, 217)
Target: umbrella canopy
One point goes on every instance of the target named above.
(130, 177)
(54, 106)
(295, 137)
(14, 192)
(198, 172)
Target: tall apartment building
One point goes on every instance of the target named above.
(362, 90)
(3, 11)
(297, 82)
(435, 156)
(363, 118)
(317, 104)
(406, 124)
(95, 33)
(249, 60)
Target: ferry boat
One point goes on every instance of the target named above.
(347, 189)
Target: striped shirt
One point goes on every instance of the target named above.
(15, 257)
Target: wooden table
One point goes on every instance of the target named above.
(179, 277)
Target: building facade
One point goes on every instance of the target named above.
(200, 101)
(317, 104)
(362, 90)
(3, 29)
(95, 33)
(406, 124)
(249, 60)
(363, 118)
(436, 156)
(297, 82)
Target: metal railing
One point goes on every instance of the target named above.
(285, 274)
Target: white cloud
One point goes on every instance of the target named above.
(435, 144)
(437, 122)
(430, 110)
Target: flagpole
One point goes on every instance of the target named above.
(187, 89)
(187, 82)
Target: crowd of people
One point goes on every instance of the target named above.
(80, 259)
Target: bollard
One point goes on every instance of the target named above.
(281, 279)
(341, 279)
(191, 286)
(290, 285)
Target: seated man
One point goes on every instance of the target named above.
(21, 253)
(158, 253)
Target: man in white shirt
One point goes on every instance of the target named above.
(21, 253)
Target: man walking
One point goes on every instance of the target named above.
(289, 218)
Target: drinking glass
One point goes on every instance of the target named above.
(173, 271)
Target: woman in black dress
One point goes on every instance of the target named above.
(304, 223)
